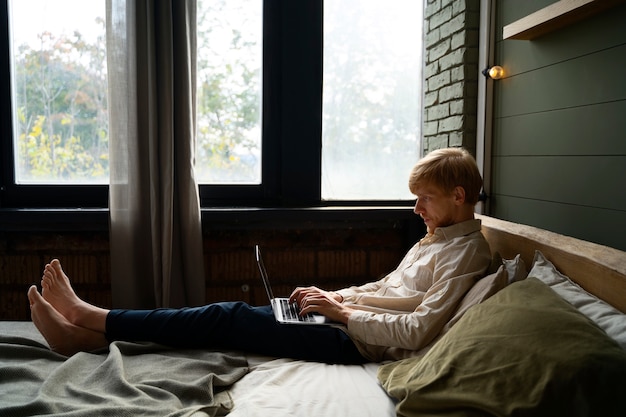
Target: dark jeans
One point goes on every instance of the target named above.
(236, 326)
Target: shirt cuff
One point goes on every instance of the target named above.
(348, 297)
(357, 324)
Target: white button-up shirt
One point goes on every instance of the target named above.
(401, 313)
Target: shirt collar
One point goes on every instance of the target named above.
(460, 229)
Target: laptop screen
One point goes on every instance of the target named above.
(264, 277)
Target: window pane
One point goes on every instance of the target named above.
(230, 37)
(372, 98)
(60, 119)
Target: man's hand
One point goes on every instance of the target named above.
(327, 303)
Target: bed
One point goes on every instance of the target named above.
(544, 333)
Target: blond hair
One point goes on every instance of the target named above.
(446, 169)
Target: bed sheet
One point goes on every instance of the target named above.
(286, 387)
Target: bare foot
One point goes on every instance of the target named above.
(62, 336)
(58, 292)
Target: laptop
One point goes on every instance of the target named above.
(284, 311)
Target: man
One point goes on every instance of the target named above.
(386, 319)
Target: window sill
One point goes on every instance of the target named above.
(54, 220)
(97, 220)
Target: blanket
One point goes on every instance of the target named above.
(128, 379)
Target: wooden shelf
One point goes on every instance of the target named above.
(555, 16)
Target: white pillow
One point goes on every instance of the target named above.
(516, 268)
(607, 317)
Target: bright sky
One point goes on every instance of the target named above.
(32, 17)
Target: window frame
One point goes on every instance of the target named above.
(291, 125)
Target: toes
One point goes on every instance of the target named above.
(48, 273)
(34, 298)
(46, 279)
(56, 266)
(33, 295)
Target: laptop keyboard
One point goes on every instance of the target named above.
(292, 311)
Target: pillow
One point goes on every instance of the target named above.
(516, 268)
(610, 319)
(483, 289)
(524, 352)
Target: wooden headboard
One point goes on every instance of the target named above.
(600, 270)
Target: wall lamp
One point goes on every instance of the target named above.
(495, 73)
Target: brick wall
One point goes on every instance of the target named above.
(450, 74)
(85, 256)
(330, 258)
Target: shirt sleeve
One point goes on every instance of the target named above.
(351, 294)
(456, 269)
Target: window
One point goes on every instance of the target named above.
(332, 131)
(230, 48)
(59, 85)
(372, 98)
(277, 123)
(58, 121)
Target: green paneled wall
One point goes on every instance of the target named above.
(575, 180)
(559, 149)
(540, 134)
(547, 214)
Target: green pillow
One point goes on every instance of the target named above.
(523, 352)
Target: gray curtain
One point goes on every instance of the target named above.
(155, 228)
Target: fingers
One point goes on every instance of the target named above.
(314, 307)
(301, 292)
(316, 302)
(307, 297)
(311, 305)
(294, 294)
(327, 306)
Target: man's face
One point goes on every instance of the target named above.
(436, 207)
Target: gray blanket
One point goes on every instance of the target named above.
(127, 380)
